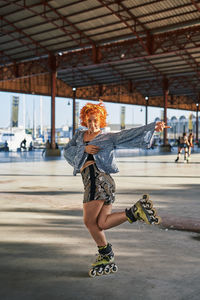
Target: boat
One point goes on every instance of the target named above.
(13, 137)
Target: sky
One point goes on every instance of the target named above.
(134, 114)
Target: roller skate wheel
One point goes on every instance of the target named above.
(107, 270)
(100, 272)
(149, 204)
(145, 197)
(92, 273)
(157, 220)
(114, 268)
(153, 212)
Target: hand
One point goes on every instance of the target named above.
(92, 149)
(160, 126)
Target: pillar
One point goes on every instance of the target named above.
(52, 65)
(74, 111)
(197, 123)
(146, 109)
(165, 95)
(53, 96)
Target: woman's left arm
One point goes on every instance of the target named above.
(160, 126)
(140, 137)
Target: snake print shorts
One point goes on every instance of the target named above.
(97, 185)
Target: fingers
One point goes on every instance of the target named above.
(92, 149)
(160, 126)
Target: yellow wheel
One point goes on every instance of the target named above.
(107, 270)
(158, 220)
(149, 204)
(114, 268)
(92, 273)
(153, 212)
(146, 197)
(100, 272)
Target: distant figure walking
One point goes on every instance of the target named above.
(183, 144)
(47, 146)
(6, 148)
(23, 144)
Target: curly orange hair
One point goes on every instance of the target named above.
(96, 109)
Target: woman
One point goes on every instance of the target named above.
(183, 144)
(91, 153)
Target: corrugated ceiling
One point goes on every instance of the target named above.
(141, 41)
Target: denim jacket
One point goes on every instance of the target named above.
(74, 151)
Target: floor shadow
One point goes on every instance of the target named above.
(196, 238)
(42, 193)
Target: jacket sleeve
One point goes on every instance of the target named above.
(140, 137)
(74, 151)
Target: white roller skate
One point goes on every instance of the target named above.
(143, 210)
(104, 263)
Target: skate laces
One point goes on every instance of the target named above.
(99, 257)
(103, 257)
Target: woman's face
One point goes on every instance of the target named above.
(93, 123)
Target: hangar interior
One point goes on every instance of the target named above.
(144, 52)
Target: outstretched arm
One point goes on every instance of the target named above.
(160, 126)
(140, 137)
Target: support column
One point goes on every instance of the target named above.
(165, 94)
(197, 123)
(74, 111)
(166, 147)
(53, 151)
(146, 109)
(53, 96)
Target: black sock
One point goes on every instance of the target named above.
(105, 249)
(130, 215)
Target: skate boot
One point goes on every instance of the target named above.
(143, 210)
(104, 263)
(176, 160)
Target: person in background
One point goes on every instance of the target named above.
(23, 144)
(47, 146)
(183, 144)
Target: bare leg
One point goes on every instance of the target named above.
(189, 151)
(91, 211)
(185, 153)
(108, 220)
(98, 217)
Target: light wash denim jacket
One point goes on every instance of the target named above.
(75, 154)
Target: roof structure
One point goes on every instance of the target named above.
(138, 46)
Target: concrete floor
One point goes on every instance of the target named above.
(45, 249)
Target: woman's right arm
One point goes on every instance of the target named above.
(72, 148)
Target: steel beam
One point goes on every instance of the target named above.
(76, 30)
(34, 42)
(125, 18)
(196, 5)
